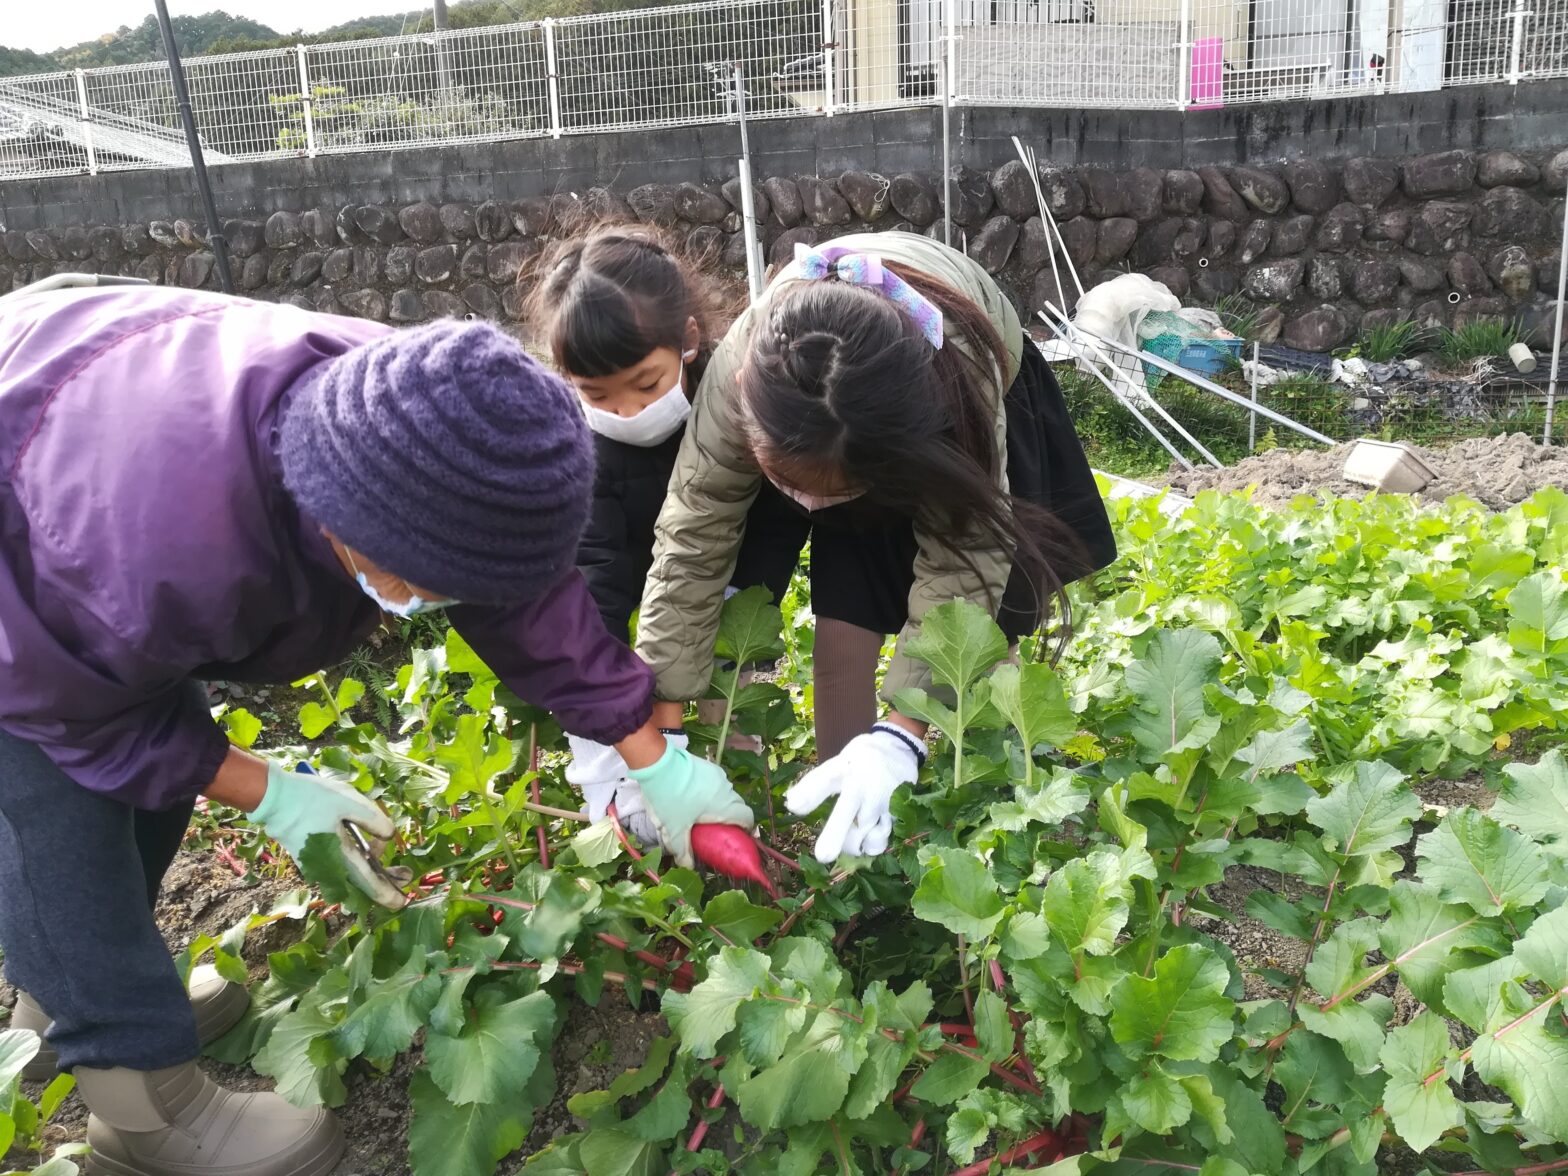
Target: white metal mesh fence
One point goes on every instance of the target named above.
(673, 66)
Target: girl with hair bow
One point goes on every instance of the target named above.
(880, 399)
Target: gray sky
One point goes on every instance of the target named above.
(42, 26)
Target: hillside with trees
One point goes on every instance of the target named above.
(218, 32)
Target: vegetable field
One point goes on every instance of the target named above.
(1195, 901)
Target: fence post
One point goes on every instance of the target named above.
(1517, 48)
(305, 101)
(1184, 58)
(829, 61)
(551, 78)
(950, 35)
(86, 112)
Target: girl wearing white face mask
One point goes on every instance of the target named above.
(631, 324)
(883, 386)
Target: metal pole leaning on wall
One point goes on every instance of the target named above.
(829, 61)
(87, 122)
(945, 58)
(748, 203)
(1557, 332)
(182, 98)
(945, 80)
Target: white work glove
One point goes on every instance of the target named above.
(864, 777)
(599, 773)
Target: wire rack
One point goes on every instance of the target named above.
(673, 65)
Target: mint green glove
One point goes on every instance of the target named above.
(681, 791)
(296, 806)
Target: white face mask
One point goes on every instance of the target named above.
(414, 606)
(811, 501)
(655, 424)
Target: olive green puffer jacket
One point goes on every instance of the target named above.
(715, 480)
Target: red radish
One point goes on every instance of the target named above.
(733, 852)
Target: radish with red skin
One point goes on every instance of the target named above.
(732, 852)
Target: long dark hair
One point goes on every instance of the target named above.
(603, 301)
(838, 382)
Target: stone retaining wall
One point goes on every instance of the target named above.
(1320, 250)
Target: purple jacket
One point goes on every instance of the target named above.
(146, 540)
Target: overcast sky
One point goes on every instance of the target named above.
(41, 26)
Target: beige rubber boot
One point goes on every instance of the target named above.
(218, 1006)
(178, 1122)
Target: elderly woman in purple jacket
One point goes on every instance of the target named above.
(201, 487)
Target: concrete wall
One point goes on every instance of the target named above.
(1529, 117)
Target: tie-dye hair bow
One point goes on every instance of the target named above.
(866, 269)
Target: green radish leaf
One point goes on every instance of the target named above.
(1534, 800)
(1273, 751)
(1258, 1139)
(877, 1077)
(959, 641)
(1181, 1013)
(739, 918)
(949, 1078)
(1031, 699)
(18, 1047)
(242, 727)
(1312, 1069)
(766, 1027)
(1156, 1102)
(493, 1058)
(461, 658)
(957, 891)
(290, 1054)
(993, 1027)
(1368, 813)
(1207, 1105)
(1470, 858)
(55, 1094)
(58, 1166)
(1065, 796)
(1167, 685)
(391, 1012)
(607, 1152)
(704, 1015)
(1421, 934)
(1421, 1110)
(475, 756)
(470, 1139)
(668, 1111)
(1540, 615)
(750, 628)
(1278, 912)
(321, 861)
(1085, 904)
(1521, 1055)
(1221, 1166)
(1543, 950)
(596, 844)
(314, 718)
(807, 1085)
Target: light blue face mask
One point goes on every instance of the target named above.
(412, 607)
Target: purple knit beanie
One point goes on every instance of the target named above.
(448, 456)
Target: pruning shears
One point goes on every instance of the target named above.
(370, 849)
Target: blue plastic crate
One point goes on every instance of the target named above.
(1205, 357)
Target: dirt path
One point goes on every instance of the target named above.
(1496, 471)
